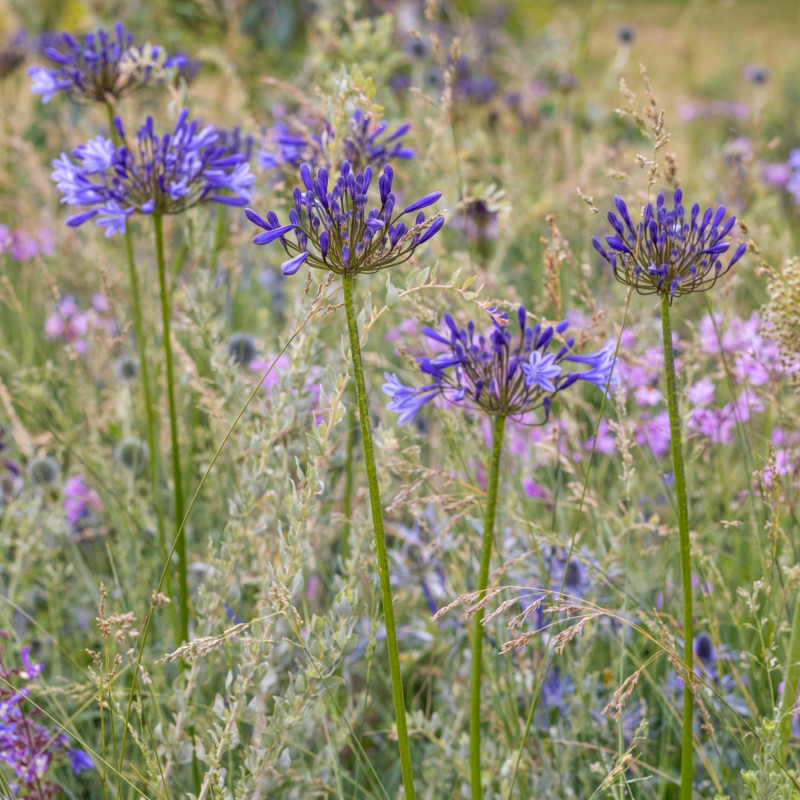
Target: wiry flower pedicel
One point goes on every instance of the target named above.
(667, 253)
(334, 231)
(499, 373)
(100, 66)
(157, 175)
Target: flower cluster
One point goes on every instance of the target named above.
(22, 245)
(81, 503)
(365, 144)
(334, 231)
(666, 253)
(103, 65)
(26, 746)
(793, 179)
(158, 175)
(497, 373)
(71, 324)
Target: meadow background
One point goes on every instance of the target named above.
(282, 690)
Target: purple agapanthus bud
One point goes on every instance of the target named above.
(668, 253)
(498, 373)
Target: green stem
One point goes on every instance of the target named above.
(347, 500)
(149, 406)
(477, 619)
(180, 547)
(790, 682)
(687, 745)
(149, 401)
(380, 544)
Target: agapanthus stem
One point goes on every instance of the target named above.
(180, 545)
(149, 407)
(687, 745)
(477, 619)
(790, 683)
(144, 371)
(347, 500)
(380, 543)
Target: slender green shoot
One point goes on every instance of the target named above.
(177, 477)
(380, 543)
(477, 620)
(687, 745)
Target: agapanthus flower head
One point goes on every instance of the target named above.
(155, 175)
(368, 142)
(669, 252)
(234, 142)
(499, 373)
(333, 229)
(99, 66)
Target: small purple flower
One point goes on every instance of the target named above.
(497, 373)
(99, 66)
(654, 432)
(158, 175)
(29, 748)
(333, 230)
(702, 392)
(81, 503)
(540, 370)
(668, 253)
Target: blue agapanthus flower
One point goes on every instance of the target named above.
(668, 253)
(334, 230)
(499, 373)
(367, 143)
(98, 66)
(155, 175)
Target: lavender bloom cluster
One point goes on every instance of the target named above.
(29, 748)
(100, 66)
(364, 145)
(334, 231)
(666, 253)
(793, 180)
(498, 373)
(157, 175)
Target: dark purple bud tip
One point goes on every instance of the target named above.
(599, 247)
(305, 174)
(522, 315)
(271, 236)
(78, 219)
(293, 264)
(618, 244)
(740, 251)
(256, 220)
(432, 231)
(423, 202)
